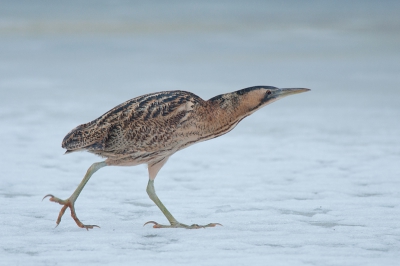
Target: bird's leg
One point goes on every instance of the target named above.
(153, 170)
(70, 202)
(153, 196)
(173, 222)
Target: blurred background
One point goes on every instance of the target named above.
(128, 47)
(64, 63)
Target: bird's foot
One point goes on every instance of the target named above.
(68, 204)
(179, 225)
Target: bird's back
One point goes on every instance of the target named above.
(137, 128)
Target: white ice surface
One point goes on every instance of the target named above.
(313, 179)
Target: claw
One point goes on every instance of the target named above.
(48, 195)
(55, 199)
(150, 222)
(156, 225)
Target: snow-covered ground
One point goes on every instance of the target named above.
(313, 179)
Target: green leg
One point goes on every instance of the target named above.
(70, 202)
(153, 196)
(153, 170)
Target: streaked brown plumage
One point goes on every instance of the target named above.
(150, 128)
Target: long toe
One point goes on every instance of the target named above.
(196, 226)
(179, 225)
(55, 199)
(174, 225)
(87, 227)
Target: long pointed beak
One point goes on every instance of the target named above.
(289, 91)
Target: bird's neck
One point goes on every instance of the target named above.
(224, 113)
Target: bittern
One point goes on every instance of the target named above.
(148, 129)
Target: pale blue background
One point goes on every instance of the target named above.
(310, 180)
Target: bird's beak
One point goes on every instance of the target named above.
(289, 91)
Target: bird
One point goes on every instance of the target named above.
(150, 128)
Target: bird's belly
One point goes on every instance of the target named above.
(136, 158)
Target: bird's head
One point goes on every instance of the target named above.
(257, 97)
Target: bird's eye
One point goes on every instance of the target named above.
(269, 92)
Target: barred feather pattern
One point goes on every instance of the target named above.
(151, 127)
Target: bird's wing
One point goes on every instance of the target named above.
(138, 124)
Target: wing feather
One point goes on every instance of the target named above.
(137, 125)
